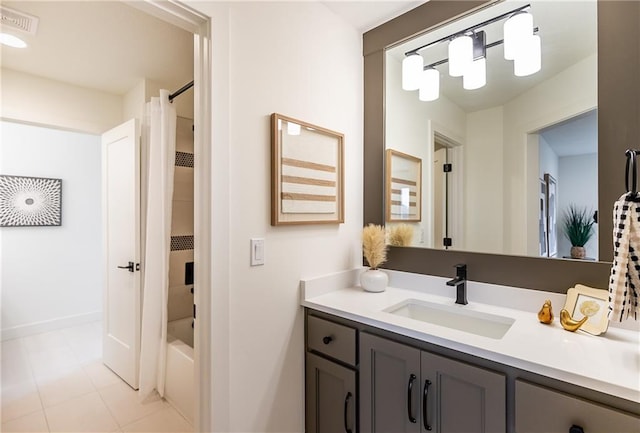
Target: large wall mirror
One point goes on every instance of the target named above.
(503, 163)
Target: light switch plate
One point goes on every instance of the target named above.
(257, 251)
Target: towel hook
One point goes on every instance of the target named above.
(631, 166)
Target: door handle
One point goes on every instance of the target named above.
(130, 267)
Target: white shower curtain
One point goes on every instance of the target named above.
(160, 128)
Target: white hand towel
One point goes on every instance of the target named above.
(624, 284)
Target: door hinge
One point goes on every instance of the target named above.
(447, 167)
(447, 242)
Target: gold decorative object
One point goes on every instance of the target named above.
(545, 315)
(569, 323)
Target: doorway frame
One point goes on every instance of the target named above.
(199, 25)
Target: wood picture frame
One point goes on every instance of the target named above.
(403, 187)
(307, 173)
(582, 299)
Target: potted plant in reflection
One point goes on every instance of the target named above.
(374, 249)
(578, 228)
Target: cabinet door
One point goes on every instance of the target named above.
(330, 397)
(541, 410)
(389, 386)
(459, 397)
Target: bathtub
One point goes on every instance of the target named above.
(179, 387)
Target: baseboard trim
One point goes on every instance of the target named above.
(49, 325)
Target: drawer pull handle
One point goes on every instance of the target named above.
(346, 407)
(425, 397)
(328, 339)
(412, 379)
(576, 429)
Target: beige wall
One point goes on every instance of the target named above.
(33, 99)
(273, 57)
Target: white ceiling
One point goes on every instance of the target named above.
(103, 45)
(111, 46)
(365, 15)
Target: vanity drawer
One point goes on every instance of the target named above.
(541, 409)
(332, 339)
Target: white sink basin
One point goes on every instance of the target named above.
(454, 317)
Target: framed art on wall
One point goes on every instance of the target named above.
(403, 186)
(307, 174)
(30, 201)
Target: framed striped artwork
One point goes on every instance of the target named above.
(307, 174)
(403, 187)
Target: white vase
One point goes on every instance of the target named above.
(374, 280)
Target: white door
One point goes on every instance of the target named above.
(121, 231)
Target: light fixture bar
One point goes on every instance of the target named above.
(491, 45)
(470, 29)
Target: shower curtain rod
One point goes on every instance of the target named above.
(180, 91)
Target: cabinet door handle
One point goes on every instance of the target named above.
(412, 379)
(576, 429)
(425, 405)
(328, 339)
(346, 407)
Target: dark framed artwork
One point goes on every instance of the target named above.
(30, 201)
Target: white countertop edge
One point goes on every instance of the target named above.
(562, 375)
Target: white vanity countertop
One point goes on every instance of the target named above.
(609, 363)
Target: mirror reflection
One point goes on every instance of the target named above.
(506, 153)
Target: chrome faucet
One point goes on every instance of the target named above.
(460, 284)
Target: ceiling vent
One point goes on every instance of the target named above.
(16, 20)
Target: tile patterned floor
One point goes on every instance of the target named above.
(56, 382)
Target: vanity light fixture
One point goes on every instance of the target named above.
(411, 71)
(517, 30)
(467, 55)
(429, 85)
(529, 60)
(475, 76)
(460, 55)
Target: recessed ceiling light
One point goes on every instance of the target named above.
(12, 41)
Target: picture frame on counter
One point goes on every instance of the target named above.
(584, 301)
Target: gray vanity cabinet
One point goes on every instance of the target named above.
(404, 389)
(543, 410)
(330, 371)
(331, 397)
(459, 397)
(389, 386)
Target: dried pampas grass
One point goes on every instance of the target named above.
(400, 235)
(374, 246)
